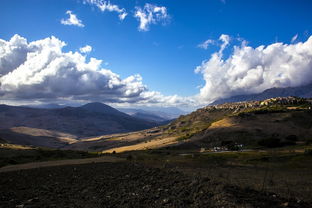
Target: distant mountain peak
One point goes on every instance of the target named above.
(95, 105)
(101, 108)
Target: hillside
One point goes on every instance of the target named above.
(162, 113)
(301, 91)
(246, 123)
(76, 122)
(249, 124)
(36, 137)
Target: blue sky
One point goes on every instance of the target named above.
(167, 54)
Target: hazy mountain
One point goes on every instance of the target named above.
(46, 106)
(164, 113)
(88, 120)
(148, 117)
(302, 91)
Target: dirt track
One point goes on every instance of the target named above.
(60, 163)
(124, 184)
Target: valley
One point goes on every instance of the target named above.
(244, 154)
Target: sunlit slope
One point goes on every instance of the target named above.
(243, 123)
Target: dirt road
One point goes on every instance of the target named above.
(60, 163)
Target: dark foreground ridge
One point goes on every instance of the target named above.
(125, 184)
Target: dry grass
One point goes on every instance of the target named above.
(68, 138)
(15, 147)
(153, 144)
(283, 172)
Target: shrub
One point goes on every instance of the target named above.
(270, 143)
(129, 157)
(182, 138)
(226, 143)
(308, 152)
(292, 138)
(308, 141)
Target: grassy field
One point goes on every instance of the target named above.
(17, 154)
(283, 171)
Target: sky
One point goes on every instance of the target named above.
(159, 52)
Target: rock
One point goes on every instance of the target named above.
(285, 204)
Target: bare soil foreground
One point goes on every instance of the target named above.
(125, 184)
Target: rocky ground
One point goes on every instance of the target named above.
(125, 184)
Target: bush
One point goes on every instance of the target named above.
(129, 157)
(270, 143)
(182, 138)
(292, 138)
(226, 143)
(288, 143)
(308, 141)
(308, 152)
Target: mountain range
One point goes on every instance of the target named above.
(92, 119)
(154, 113)
(301, 91)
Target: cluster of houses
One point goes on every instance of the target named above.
(235, 147)
(268, 102)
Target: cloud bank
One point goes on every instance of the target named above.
(40, 70)
(104, 5)
(250, 70)
(150, 14)
(72, 20)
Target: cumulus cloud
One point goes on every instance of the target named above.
(252, 70)
(86, 49)
(40, 70)
(150, 14)
(104, 5)
(72, 20)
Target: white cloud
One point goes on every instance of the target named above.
(293, 39)
(225, 40)
(150, 14)
(206, 44)
(72, 20)
(86, 49)
(252, 70)
(105, 5)
(40, 71)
